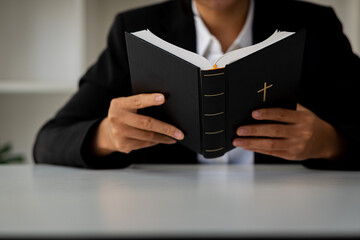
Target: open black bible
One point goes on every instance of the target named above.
(208, 103)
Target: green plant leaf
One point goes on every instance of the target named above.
(5, 148)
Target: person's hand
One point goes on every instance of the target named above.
(124, 130)
(302, 135)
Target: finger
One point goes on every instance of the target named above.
(152, 125)
(276, 114)
(301, 108)
(134, 144)
(143, 144)
(266, 130)
(147, 136)
(262, 143)
(140, 101)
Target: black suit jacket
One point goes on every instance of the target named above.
(329, 83)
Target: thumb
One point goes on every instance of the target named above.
(301, 108)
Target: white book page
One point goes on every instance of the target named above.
(202, 62)
(235, 55)
(188, 56)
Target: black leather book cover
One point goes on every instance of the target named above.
(154, 70)
(209, 105)
(267, 78)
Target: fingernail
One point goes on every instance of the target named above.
(179, 135)
(242, 131)
(238, 142)
(159, 98)
(256, 114)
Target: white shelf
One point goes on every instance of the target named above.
(35, 87)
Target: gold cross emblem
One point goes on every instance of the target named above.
(264, 90)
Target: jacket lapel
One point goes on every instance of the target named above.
(178, 28)
(263, 25)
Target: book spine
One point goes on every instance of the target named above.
(213, 112)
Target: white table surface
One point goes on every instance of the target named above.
(178, 200)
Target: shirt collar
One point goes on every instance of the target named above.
(204, 38)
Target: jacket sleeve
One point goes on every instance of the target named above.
(64, 140)
(337, 69)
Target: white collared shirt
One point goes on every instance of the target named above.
(208, 46)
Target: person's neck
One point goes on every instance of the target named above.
(225, 24)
